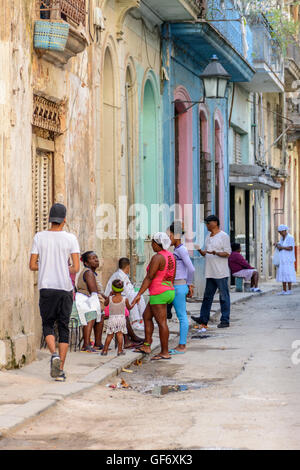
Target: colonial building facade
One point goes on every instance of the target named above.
(102, 108)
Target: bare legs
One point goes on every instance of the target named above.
(87, 330)
(254, 279)
(159, 312)
(98, 330)
(119, 337)
(284, 286)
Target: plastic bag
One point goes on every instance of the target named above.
(276, 258)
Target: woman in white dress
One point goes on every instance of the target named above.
(286, 269)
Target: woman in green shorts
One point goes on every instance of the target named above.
(159, 280)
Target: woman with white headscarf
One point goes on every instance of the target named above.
(160, 282)
(286, 269)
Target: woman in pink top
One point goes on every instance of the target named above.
(159, 280)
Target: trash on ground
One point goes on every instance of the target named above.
(127, 370)
(111, 385)
(138, 362)
(124, 384)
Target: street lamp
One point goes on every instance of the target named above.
(215, 79)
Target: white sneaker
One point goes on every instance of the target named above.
(289, 292)
(282, 292)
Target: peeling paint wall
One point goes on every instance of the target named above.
(16, 308)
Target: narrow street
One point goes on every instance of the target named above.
(236, 388)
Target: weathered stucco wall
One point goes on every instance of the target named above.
(17, 341)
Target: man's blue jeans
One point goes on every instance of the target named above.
(210, 289)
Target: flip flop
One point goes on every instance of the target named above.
(132, 345)
(137, 350)
(174, 351)
(158, 357)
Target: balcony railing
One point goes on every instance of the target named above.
(265, 47)
(73, 11)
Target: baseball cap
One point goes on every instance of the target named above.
(212, 218)
(57, 213)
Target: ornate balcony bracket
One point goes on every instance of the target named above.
(76, 43)
(47, 115)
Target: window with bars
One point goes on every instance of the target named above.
(278, 126)
(237, 147)
(205, 182)
(42, 175)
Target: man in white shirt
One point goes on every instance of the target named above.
(217, 251)
(50, 255)
(136, 314)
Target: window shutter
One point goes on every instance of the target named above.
(237, 148)
(42, 189)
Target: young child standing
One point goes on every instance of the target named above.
(117, 308)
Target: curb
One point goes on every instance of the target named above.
(59, 391)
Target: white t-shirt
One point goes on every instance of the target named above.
(217, 267)
(54, 250)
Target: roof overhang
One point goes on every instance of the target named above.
(251, 177)
(203, 40)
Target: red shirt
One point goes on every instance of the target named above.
(237, 262)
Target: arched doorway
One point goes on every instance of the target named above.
(219, 171)
(108, 136)
(205, 164)
(183, 164)
(130, 152)
(149, 152)
(108, 182)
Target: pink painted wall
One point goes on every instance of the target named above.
(219, 157)
(185, 128)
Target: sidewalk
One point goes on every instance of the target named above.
(27, 392)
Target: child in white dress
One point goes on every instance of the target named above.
(117, 309)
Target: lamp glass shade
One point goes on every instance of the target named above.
(222, 85)
(210, 86)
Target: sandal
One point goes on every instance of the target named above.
(138, 350)
(89, 349)
(121, 353)
(158, 357)
(104, 353)
(175, 351)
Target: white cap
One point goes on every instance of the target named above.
(162, 239)
(282, 227)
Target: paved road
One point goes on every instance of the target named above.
(241, 390)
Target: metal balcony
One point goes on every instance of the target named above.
(72, 11)
(292, 68)
(175, 10)
(73, 14)
(267, 59)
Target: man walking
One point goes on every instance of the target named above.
(217, 251)
(50, 254)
